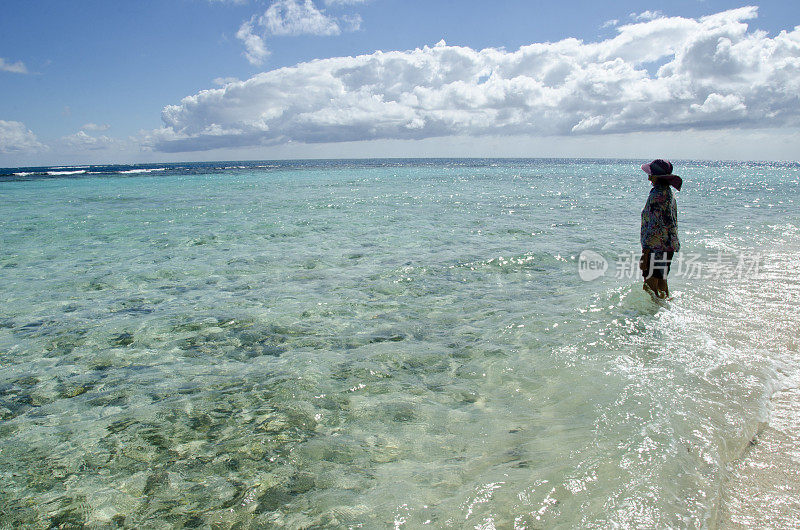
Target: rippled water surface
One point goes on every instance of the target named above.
(384, 343)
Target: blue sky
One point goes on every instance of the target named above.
(86, 81)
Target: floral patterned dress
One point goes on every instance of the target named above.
(660, 221)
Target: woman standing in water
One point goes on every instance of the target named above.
(659, 234)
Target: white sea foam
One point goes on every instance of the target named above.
(23, 173)
(149, 170)
(78, 172)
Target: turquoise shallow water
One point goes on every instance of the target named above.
(384, 344)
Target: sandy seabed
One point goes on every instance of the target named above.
(764, 488)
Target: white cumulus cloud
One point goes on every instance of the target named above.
(255, 47)
(646, 15)
(297, 17)
(718, 104)
(15, 137)
(715, 73)
(290, 18)
(16, 68)
(80, 141)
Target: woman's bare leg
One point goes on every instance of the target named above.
(651, 284)
(663, 288)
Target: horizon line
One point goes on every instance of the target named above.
(364, 159)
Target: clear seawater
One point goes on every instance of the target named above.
(384, 343)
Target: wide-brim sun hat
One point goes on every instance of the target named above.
(663, 170)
